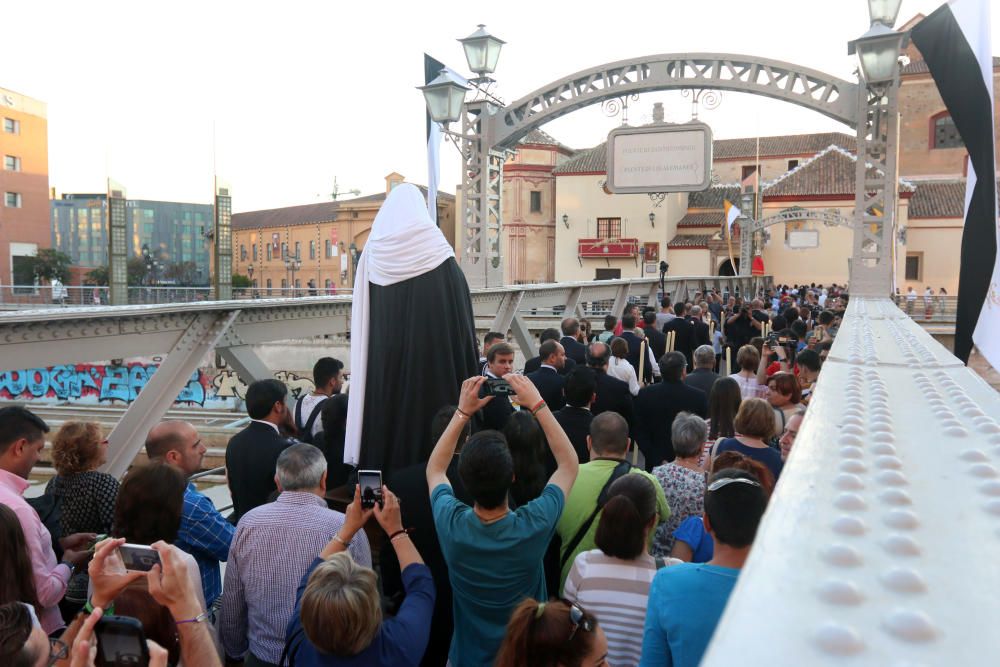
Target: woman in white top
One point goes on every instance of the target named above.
(619, 366)
(612, 582)
(748, 359)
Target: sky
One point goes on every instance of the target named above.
(278, 99)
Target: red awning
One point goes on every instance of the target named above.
(757, 267)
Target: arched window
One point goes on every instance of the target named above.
(944, 133)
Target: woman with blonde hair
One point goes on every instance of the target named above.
(87, 497)
(754, 428)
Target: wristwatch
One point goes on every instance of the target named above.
(71, 566)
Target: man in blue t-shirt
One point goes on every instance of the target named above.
(494, 555)
(686, 601)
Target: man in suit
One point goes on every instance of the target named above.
(575, 350)
(547, 379)
(410, 486)
(499, 362)
(702, 335)
(613, 395)
(575, 418)
(636, 342)
(703, 377)
(657, 405)
(253, 452)
(533, 364)
(656, 339)
(683, 328)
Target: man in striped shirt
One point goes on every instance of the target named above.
(274, 546)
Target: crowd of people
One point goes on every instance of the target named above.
(595, 509)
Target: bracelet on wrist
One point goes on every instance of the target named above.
(339, 540)
(402, 532)
(108, 610)
(200, 618)
(538, 407)
(459, 412)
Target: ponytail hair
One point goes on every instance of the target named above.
(536, 636)
(621, 531)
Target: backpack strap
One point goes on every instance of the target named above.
(660, 563)
(298, 411)
(602, 498)
(317, 409)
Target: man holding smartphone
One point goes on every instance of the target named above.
(494, 555)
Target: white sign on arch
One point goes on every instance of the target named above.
(667, 158)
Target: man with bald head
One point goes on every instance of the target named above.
(204, 533)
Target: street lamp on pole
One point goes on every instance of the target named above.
(292, 264)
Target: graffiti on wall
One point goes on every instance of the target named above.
(121, 383)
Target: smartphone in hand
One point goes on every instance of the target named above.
(371, 488)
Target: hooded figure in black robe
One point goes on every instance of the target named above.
(413, 338)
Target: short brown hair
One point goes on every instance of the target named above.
(498, 349)
(621, 530)
(619, 347)
(748, 358)
(76, 447)
(755, 418)
(341, 611)
(786, 384)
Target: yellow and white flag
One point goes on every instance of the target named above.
(731, 214)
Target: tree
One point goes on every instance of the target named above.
(97, 276)
(50, 263)
(241, 281)
(182, 272)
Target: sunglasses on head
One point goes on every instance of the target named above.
(577, 618)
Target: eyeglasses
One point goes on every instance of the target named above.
(57, 651)
(719, 483)
(578, 619)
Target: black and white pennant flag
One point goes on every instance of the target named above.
(432, 68)
(955, 42)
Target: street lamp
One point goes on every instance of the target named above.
(878, 53)
(444, 97)
(652, 219)
(292, 264)
(884, 11)
(482, 50)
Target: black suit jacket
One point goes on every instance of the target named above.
(656, 406)
(251, 456)
(410, 485)
(634, 346)
(684, 335)
(576, 423)
(533, 364)
(550, 385)
(701, 378)
(657, 342)
(575, 350)
(613, 396)
(494, 414)
(701, 335)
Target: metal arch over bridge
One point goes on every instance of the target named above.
(489, 133)
(783, 81)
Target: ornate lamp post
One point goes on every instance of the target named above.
(445, 99)
(876, 196)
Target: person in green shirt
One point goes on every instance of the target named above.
(608, 443)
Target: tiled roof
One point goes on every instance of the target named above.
(712, 197)
(589, 160)
(595, 159)
(794, 144)
(920, 66)
(310, 214)
(829, 173)
(938, 199)
(689, 241)
(541, 138)
(701, 220)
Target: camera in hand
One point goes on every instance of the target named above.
(499, 387)
(370, 482)
(138, 557)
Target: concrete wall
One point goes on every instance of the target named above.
(690, 262)
(939, 244)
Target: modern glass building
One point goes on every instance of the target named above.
(174, 232)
